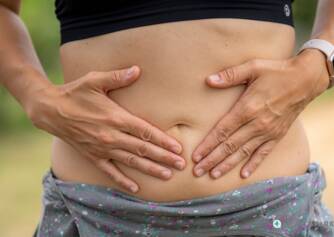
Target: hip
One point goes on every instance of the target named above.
(290, 157)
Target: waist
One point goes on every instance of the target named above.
(171, 94)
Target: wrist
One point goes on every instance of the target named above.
(313, 63)
(26, 85)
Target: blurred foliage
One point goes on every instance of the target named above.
(43, 26)
(304, 11)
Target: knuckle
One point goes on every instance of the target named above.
(116, 76)
(93, 75)
(225, 166)
(206, 150)
(255, 63)
(250, 109)
(131, 160)
(245, 151)
(117, 121)
(104, 137)
(110, 118)
(229, 147)
(264, 152)
(221, 134)
(209, 164)
(151, 169)
(146, 134)
(228, 74)
(264, 124)
(142, 149)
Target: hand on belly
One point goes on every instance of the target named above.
(276, 93)
(195, 118)
(81, 114)
(171, 94)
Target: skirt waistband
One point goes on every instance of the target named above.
(281, 206)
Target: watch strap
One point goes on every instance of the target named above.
(328, 49)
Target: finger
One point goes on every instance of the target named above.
(142, 148)
(257, 158)
(147, 132)
(235, 75)
(232, 121)
(145, 165)
(244, 152)
(226, 148)
(110, 80)
(116, 175)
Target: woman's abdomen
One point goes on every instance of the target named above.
(171, 94)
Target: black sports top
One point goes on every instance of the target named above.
(81, 19)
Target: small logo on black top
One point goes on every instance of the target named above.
(287, 10)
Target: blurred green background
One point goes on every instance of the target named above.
(25, 151)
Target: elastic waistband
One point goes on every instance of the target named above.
(312, 178)
(280, 206)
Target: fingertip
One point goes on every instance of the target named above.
(178, 149)
(175, 146)
(197, 157)
(214, 80)
(136, 71)
(134, 188)
(245, 174)
(131, 73)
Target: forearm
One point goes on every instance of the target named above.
(21, 72)
(323, 27)
(313, 60)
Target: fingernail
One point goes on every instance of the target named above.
(179, 165)
(216, 174)
(134, 189)
(166, 173)
(176, 148)
(199, 172)
(215, 78)
(246, 173)
(197, 158)
(129, 72)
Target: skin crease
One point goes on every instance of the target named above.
(171, 93)
(259, 126)
(187, 116)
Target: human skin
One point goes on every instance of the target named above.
(187, 116)
(263, 114)
(24, 77)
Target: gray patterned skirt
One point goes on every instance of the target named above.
(289, 206)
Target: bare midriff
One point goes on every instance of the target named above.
(171, 94)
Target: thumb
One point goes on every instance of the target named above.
(233, 76)
(111, 80)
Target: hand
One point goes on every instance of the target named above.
(81, 113)
(276, 92)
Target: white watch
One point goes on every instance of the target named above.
(328, 49)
